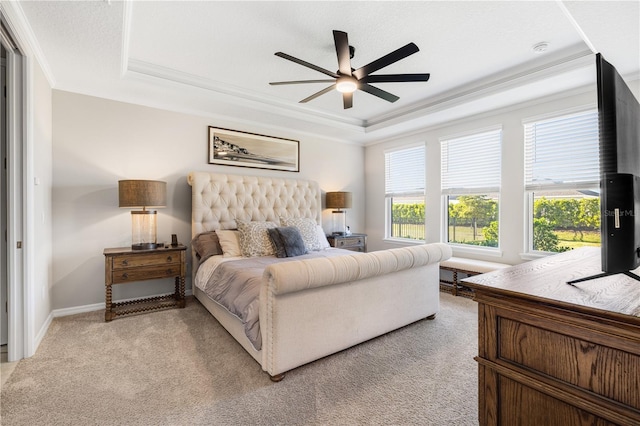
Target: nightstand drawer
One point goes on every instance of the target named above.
(345, 242)
(136, 261)
(145, 273)
(354, 242)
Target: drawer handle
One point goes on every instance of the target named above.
(359, 241)
(341, 243)
(125, 262)
(169, 258)
(125, 276)
(169, 271)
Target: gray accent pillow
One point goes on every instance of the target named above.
(308, 229)
(276, 240)
(292, 240)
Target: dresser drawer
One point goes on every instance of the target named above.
(135, 261)
(574, 361)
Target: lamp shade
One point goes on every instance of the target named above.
(142, 193)
(338, 200)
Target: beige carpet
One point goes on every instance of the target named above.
(180, 367)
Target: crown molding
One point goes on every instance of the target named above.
(127, 16)
(482, 89)
(419, 132)
(25, 38)
(238, 95)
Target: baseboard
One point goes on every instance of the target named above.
(77, 310)
(94, 307)
(43, 331)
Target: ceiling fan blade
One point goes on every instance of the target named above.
(307, 64)
(386, 60)
(342, 49)
(394, 78)
(347, 100)
(315, 95)
(279, 83)
(378, 92)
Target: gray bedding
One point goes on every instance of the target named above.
(236, 286)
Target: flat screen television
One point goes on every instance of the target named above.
(619, 129)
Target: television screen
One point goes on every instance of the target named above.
(619, 127)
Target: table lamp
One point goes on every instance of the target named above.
(339, 200)
(143, 194)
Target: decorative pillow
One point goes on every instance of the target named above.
(206, 244)
(308, 229)
(322, 239)
(230, 242)
(254, 239)
(276, 240)
(292, 240)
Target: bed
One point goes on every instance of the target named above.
(313, 305)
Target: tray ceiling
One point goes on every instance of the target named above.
(217, 58)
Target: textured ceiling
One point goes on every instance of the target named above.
(217, 58)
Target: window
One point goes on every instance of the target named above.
(471, 188)
(404, 193)
(562, 179)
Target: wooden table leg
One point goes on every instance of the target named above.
(454, 291)
(180, 292)
(108, 308)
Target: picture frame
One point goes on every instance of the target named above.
(243, 149)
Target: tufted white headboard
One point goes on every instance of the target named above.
(217, 200)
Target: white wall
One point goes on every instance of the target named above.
(98, 142)
(42, 137)
(512, 198)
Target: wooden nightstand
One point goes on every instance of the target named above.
(123, 265)
(353, 242)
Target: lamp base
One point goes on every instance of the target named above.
(144, 246)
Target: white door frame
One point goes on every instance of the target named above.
(3, 214)
(20, 341)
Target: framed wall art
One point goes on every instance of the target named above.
(235, 148)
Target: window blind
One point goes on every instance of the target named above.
(562, 152)
(405, 171)
(471, 164)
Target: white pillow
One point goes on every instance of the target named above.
(308, 229)
(322, 238)
(230, 242)
(254, 238)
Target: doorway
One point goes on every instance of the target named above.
(4, 317)
(13, 277)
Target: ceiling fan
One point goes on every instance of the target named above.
(347, 80)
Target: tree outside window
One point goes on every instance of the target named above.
(473, 220)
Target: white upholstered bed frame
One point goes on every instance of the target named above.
(316, 307)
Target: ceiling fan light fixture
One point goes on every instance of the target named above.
(347, 80)
(346, 85)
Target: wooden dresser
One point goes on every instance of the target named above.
(554, 354)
